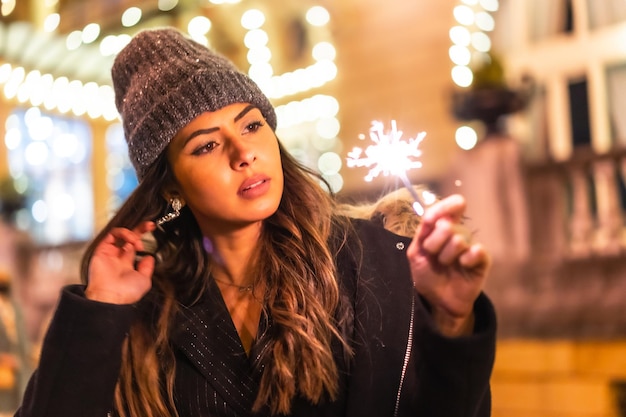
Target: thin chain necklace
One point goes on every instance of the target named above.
(241, 288)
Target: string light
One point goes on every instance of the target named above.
(23, 86)
(316, 115)
(470, 42)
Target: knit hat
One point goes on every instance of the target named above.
(163, 80)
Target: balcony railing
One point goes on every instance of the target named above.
(573, 283)
(585, 199)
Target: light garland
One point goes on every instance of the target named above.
(97, 101)
(470, 43)
(313, 117)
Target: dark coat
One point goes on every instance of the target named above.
(401, 366)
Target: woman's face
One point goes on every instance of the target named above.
(227, 167)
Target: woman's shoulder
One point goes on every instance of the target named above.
(367, 244)
(368, 232)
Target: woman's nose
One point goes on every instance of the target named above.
(242, 153)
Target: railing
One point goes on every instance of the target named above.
(584, 199)
(573, 283)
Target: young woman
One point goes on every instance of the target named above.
(258, 297)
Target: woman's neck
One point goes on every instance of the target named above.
(232, 254)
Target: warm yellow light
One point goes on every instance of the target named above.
(7, 7)
(255, 38)
(199, 26)
(317, 16)
(131, 16)
(259, 55)
(327, 127)
(108, 45)
(460, 35)
(464, 15)
(481, 42)
(485, 21)
(13, 138)
(260, 72)
(329, 163)
(324, 50)
(490, 5)
(13, 83)
(167, 5)
(310, 109)
(462, 76)
(460, 55)
(466, 137)
(252, 19)
(5, 72)
(51, 22)
(90, 33)
(74, 40)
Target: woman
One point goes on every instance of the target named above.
(258, 299)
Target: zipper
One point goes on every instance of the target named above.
(407, 356)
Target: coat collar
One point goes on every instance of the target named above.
(206, 334)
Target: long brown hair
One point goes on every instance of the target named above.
(301, 298)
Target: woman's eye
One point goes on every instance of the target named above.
(206, 148)
(254, 126)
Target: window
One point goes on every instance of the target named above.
(579, 112)
(49, 160)
(550, 18)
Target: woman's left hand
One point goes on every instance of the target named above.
(448, 270)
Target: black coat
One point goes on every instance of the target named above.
(401, 366)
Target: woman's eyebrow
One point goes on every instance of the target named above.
(213, 129)
(244, 111)
(200, 132)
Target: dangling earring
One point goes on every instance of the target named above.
(176, 206)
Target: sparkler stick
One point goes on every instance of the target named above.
(390, 155)
(419, 205)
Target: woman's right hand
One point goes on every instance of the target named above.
(114, 277)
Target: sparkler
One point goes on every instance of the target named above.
(390, 155)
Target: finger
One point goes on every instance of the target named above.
(452, 206)
(441, 232)
(146, 266)
(123, 243)
(124, 236)
(144, 227)
(128, 252)
(475, 257)
(133, 237)
(108, 240)
(452, 250)
(143, 230)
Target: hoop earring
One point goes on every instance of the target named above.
(176, 206)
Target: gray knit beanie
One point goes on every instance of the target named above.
(163, 80)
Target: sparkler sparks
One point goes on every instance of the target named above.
(390, 155)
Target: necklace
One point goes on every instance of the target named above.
(241, 288)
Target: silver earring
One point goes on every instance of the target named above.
(176, 206)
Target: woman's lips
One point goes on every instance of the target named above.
(254, 187)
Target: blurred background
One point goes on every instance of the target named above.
(523, 103)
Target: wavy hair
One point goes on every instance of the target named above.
(393, 211)
(302, 294)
